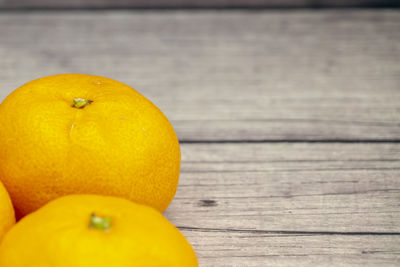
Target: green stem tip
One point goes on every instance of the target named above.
(99, 223)
(81, 102)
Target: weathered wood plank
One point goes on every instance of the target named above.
(285, 204)
(257, 249)
(192, 3)
(227, 75)
(291, 187)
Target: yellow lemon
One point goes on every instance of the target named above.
(85, 134)
(90, 230)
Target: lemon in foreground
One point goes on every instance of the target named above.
(90, 230)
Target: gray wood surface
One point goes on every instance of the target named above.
(192, 3)
(217, 248)
(318, 187)
(227, 75)
(289, 121)
(290, 204)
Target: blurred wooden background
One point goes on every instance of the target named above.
(195, 3)
(289, 120)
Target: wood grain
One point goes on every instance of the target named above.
(254, 249)
(291, 187)
(299, 75)
(193, 3)
(288, 204)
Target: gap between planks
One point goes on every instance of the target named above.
(254, 231)
(350, 141)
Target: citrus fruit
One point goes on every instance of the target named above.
(7, 218)
(93, 230)
(77, 133)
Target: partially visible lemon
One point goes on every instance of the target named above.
(95, 231)
(7, 217)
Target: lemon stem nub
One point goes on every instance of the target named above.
(99, 223)
(81, 102)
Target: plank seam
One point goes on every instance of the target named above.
(280, 232)
(339, 141)
(188, 8)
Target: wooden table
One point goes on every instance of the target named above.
(289, 121)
